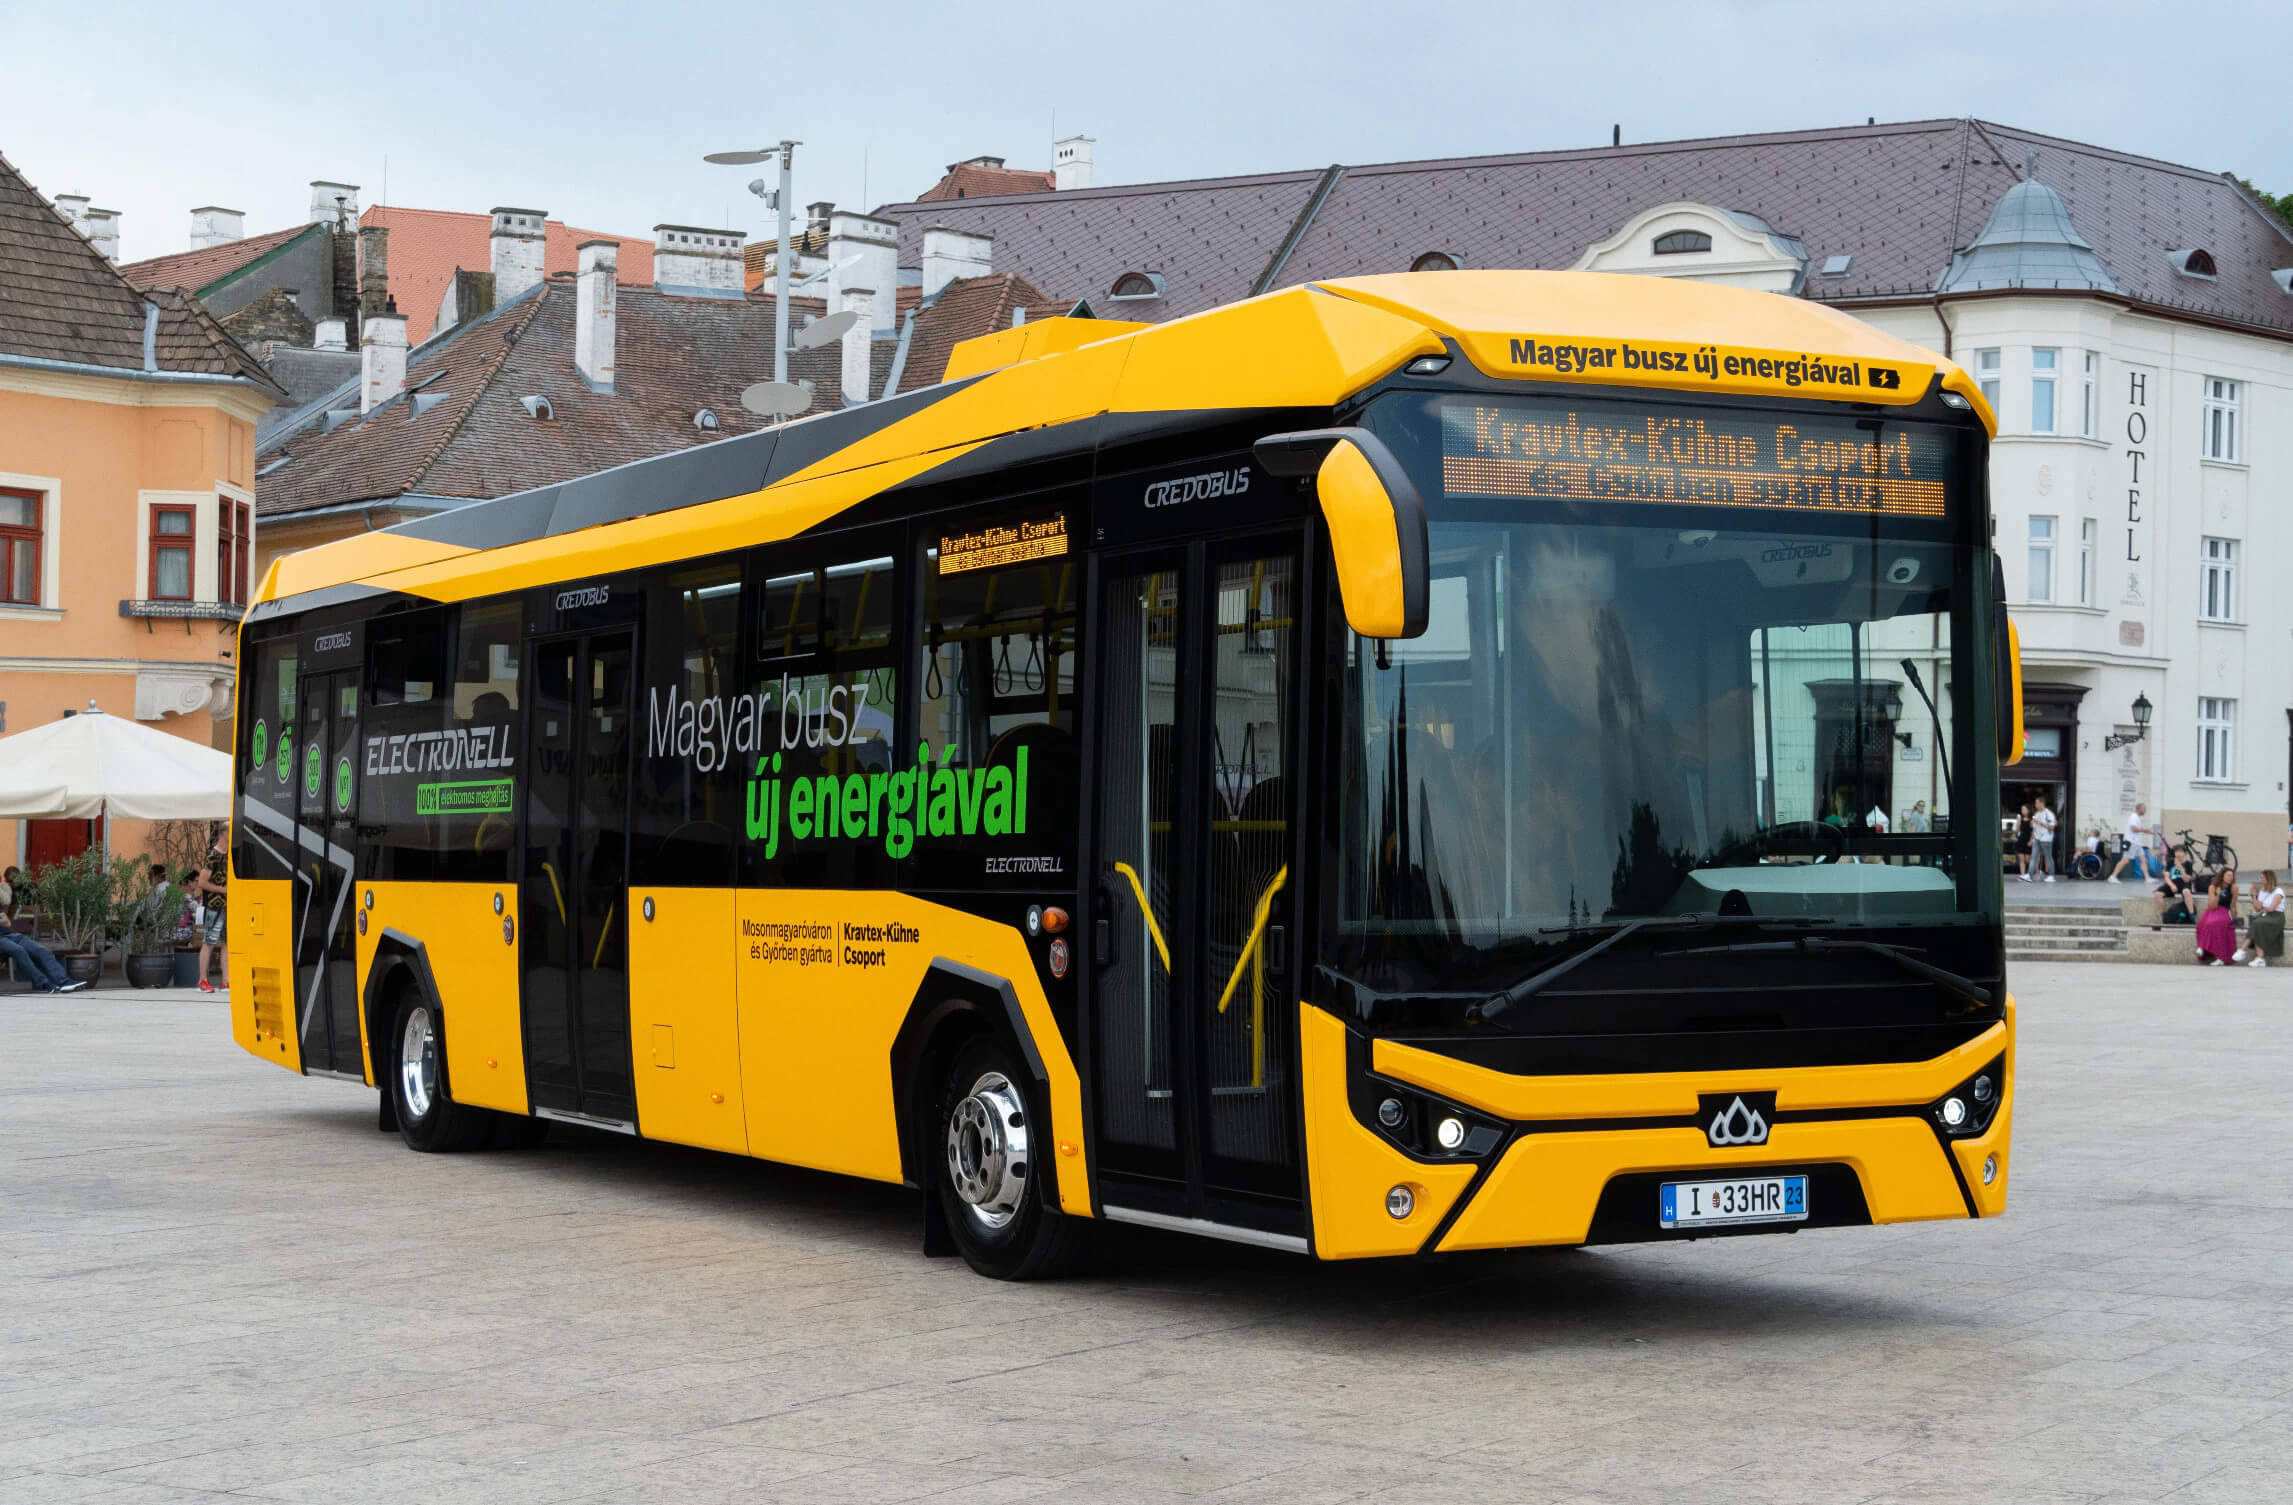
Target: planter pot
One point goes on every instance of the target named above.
(156, 970)
(83, 966)
(187, 969)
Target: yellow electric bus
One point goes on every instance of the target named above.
(1405, 764)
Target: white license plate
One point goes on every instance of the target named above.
(1746, 1199)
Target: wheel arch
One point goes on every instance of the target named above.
(952, 1003)
(400, 961)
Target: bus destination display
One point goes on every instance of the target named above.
(1599, 453)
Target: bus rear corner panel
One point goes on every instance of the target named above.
(262, 970)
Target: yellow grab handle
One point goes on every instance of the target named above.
(1153, 929)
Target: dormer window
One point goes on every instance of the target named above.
(1681, 242)
(706, 420)
(1137, 285)
(538, 406)
(2193, 262)
(1435, 261)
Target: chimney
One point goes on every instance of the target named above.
(594, 293)
(72, 206)
(373, 270)
(695, 263)
(858, 341)
(381, 359)
(950, 254)
(212, 226)
(1071, 161)
(331, 334)
(864, 252)
(333, 203)
(517, 244)
(101, 226)
(817, 215)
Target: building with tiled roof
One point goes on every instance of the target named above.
(427, 246)
(967, 308)
(127, 422)
(985, 178)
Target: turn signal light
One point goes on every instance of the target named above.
(1054, 919)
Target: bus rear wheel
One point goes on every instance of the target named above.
(991, 1153)
(428, 1118)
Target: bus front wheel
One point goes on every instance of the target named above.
(428, 1117)
(993, 1172)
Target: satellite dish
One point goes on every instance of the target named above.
(736, 159)
(776, 399)
(826, 331)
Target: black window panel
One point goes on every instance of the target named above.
(695, 711)
(270, 682)
(475, 824)
(406, 711)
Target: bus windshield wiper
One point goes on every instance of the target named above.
(1528, 987)
(1965, 987)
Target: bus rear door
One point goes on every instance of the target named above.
(323, 763)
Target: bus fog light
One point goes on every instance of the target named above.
(1984, 1089)
(1989, 1169)
(1400, 1202)
(1954, 1112)
(1391, 1113)
(1450, 1133)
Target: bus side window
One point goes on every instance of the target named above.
(690, 775)
(472, 808)
(265, 756)
(1001, 645)
(405, 713)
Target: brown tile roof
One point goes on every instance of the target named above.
(967, 307)
(673, 356)
(60, 300)
(200, 269)
(1898, 198)
(426, 245)
(977, 180)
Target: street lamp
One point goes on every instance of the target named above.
(786, 151)
(2117, 740)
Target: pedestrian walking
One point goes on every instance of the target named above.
(2265, 932)
(2140, 833)
(209, 885)
(2042, 825)
(2022, 829)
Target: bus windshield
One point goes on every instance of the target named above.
(1668, 672)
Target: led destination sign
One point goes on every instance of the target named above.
(1596, 453)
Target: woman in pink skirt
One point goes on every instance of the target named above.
(2217, 927)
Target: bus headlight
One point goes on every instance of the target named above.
(1967, 1110)
(1449, 1133)
(1424, 1127)
(1400, 1202)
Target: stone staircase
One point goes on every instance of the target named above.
(2036, 933)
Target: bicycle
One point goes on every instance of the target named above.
(2219, 854)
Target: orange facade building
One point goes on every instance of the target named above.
(127, 491)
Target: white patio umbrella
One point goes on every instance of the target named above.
(92, 765)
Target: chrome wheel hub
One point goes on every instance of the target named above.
(987, 1150)
(418, 1063)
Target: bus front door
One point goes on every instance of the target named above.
(323, 763)
(573, 889)
(1193, 1011)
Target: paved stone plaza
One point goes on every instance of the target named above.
(218, 1282)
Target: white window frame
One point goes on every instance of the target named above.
(2045, 388)
(2217, 580)
(2090, 397)
(2045, 536)
(1987, 372)
(2219, 439)
(2089, 537)
(2216, 740)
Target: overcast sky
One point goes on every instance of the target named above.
(599, 113)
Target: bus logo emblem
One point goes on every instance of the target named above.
(1737, 1122)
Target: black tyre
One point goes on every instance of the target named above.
(428, 1117)
(991, 1154)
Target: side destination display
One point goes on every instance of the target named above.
(1614, 453)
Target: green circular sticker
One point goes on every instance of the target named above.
(262, 743)
(342, 782)
(286, 758)
(313, 767)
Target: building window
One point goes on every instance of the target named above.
(2044, 364)
(2219, 439)
(234, 550)
(171, 530)
(1681, 242)
(2090, 397)
(2217, 584)
(1986, 376)
(2216, 739)
(2088, 536)
(1137, 285)
(2042, 560)
(1435, 261)
(20, 547)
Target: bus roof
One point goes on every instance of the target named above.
(1303, 347)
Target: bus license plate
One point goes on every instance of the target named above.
(1747, 1199)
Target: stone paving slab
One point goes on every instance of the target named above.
(219, 1283)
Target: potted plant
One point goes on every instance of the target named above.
(145, 914)
(75, 902)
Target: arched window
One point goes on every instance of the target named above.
(1435, 261)
(2193, 263)
(706, 420)
(1136, 285)
(1681, 242)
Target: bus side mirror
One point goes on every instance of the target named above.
(2006, 669)
(1376, 523)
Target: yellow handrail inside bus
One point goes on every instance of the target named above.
(604, 935)
(1153, 929)
(555, 891)
(1254, 955)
